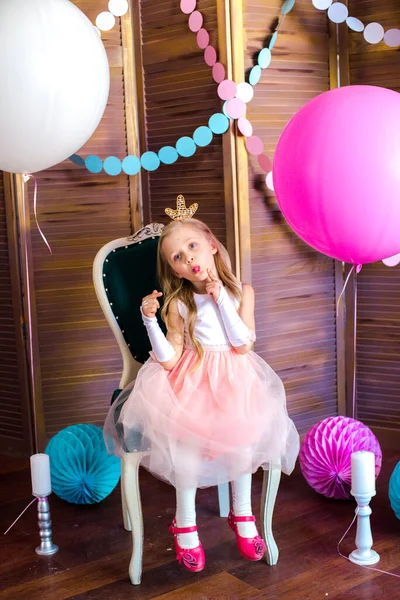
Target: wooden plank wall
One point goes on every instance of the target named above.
(12, 431)
(295, 286)
(80, 364)
(378, 371)
(180, 95)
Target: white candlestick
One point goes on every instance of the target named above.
(40, 474)
(363, 473)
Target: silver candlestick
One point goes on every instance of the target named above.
(46, 545)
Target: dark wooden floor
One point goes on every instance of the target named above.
(92, 563)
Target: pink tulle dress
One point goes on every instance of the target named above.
(205, 426)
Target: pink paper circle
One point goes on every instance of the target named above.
(210, 56)
(245, 127)
(265, 163)
(195, 21)
(203, 38)
(188, 6)
(218, 72)
(235, 108)
(254, 145)
(227, 89)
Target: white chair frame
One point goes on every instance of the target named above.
(130, 462)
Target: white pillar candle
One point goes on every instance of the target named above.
(40, 475)
(362, 473)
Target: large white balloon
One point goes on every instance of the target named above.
(54, 83)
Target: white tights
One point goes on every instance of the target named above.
(186, 510)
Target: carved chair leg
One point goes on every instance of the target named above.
(131, 492)
(270, 489)
(125, 514)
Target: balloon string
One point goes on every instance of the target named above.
(354, 391)
(20, 515)
(26, 177)
(343, 290)
(347, 558)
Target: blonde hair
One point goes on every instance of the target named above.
(182, 289)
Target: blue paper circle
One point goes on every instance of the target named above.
(203, 136)
(287, 6)
(394, 490)
(218, 123)
(94, 164)
(82, 471)
(255, 75)
(150, 161)
(131, 165)
(112, 165)
(77, 160)
(185, 146)
(264, 58)
(168, 155)
(273, 40)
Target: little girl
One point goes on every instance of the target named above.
(204, 408)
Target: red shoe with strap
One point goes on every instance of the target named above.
(251, 548)
(192, 559)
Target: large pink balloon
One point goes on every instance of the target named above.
(337, 173)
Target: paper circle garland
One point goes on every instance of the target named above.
(265, 163)
(240, 93)
(118, 7)
(245, 91)
(245, 127)
(355, 24)
(185, 146)
(325, 454)
(203, 38)
(188, 6)
(94, 164)
(337, 12)
(255, 75)
(168, 155)
(373, 33)
(210, 56)
(269, 181)
(112, 165)
(235, 108)
(82, 471)
(202, 136)
(227, 89)
(392, 38)
(254, 145)
(150, 161)
(218, 123)
(218, 72)
(195, 21)
(392, 261)
(394, 490)
(264, 58)
(131, 165)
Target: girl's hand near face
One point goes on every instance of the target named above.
(213, 285)
(150, 304)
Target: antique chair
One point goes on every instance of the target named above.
(124, 271)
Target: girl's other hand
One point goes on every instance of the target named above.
(213, 285)
(150, 304)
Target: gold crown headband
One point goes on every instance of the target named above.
(181, 212)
